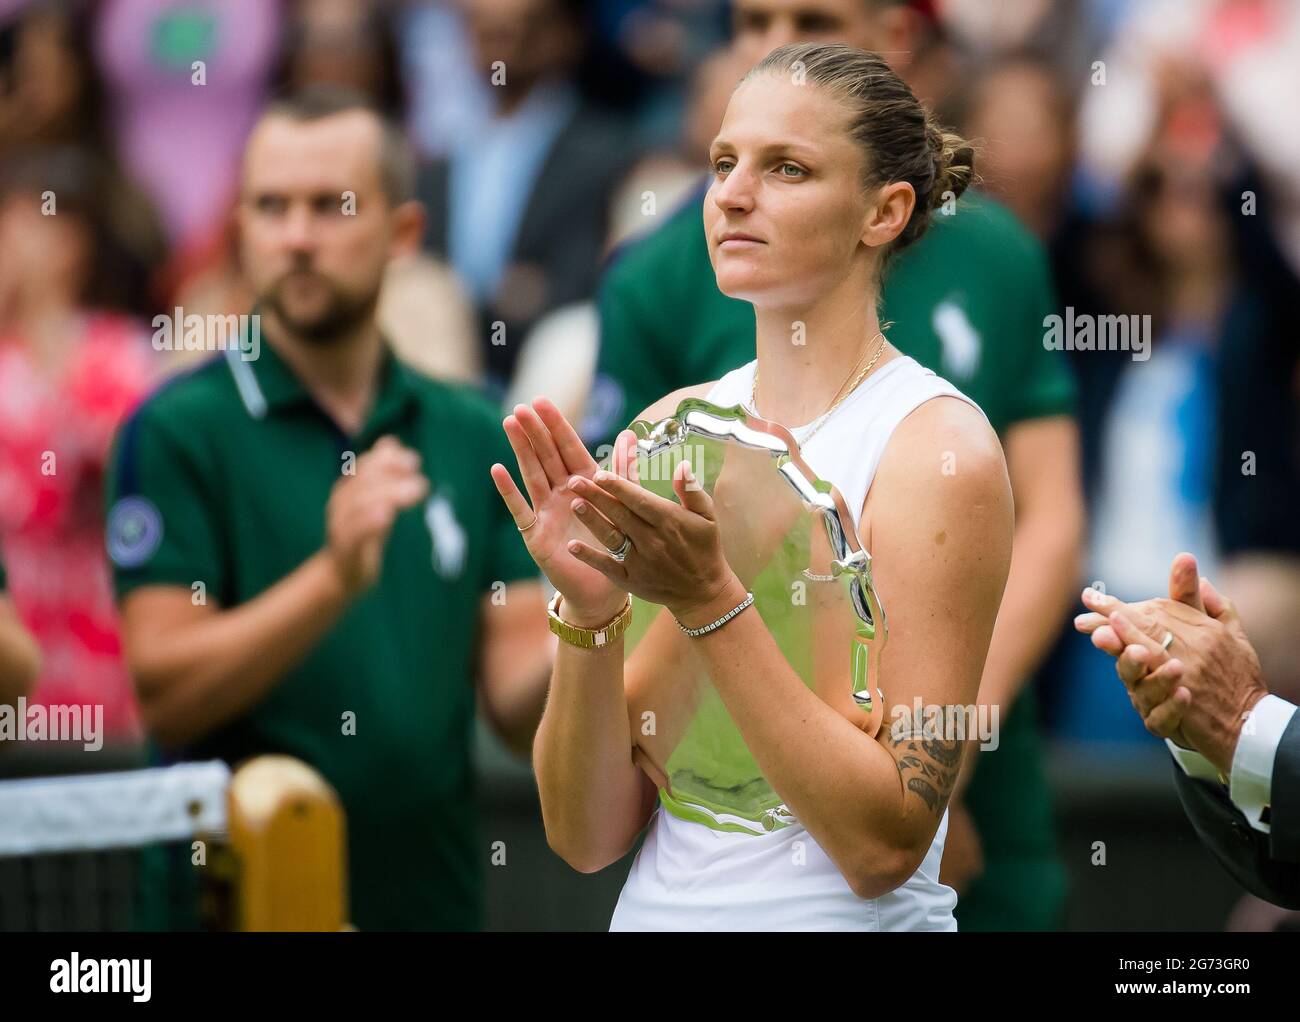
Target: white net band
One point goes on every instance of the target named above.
(112, 810)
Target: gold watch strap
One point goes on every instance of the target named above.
(588, 638)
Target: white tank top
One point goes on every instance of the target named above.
(691, 877)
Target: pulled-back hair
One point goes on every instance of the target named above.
(900, 141)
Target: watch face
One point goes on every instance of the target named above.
(790, 539)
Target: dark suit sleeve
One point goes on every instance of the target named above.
(1284, 822)
(1246, 853)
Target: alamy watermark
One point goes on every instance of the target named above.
(1086, 332)
(660, 468)
(77, 975)
(948, 723)
(55, 723)
(212, 332)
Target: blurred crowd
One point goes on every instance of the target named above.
(1150, 146)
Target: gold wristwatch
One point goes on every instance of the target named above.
(588, 638)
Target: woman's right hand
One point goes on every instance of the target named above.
(549, 452)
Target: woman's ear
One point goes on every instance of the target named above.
(889, 214)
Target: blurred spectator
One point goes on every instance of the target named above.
(70, 370)
(185, 80)
(348, 43)
(1267, 570)
(1174, 473)
(424, 312)
(663, 43)
(1258, 468)
(521, 206)
(1021, 113)
(362, 584)
(1214, 412)
(20, 657)
(662, 180)
(662, 38)
(935, 65)
(1247, 51)
(50, 89)
(448, 97)
(52, 100)
(1064, 33)
(1157, 458)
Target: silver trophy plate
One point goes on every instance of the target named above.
(789, 537)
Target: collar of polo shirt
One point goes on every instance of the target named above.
(267, 384)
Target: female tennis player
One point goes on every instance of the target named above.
(825, 165)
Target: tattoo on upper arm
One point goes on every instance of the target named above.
(928, 766)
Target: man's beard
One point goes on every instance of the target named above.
(341, 314)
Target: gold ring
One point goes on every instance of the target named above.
(1165, 642)
(529, 525)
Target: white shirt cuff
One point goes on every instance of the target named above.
(1193, 763)
(1252, 763)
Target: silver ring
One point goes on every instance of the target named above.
(1165, 642)
(621, 552)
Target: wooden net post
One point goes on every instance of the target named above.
(288, 836)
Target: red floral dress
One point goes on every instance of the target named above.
(54, 442)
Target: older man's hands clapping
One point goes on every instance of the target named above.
(1190, 671)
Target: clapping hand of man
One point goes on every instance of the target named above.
(363, 507)
(1190, 671)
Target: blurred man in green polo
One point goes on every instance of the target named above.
(967, 301)
(309, 553)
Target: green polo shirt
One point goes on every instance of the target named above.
(968, 301)
(222, 478)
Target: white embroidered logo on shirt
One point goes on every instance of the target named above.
(447, 536)
(961, 341)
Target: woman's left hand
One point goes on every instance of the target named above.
(676, 557)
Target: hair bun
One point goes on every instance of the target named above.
(954, 164)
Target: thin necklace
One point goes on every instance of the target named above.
(837, 399)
